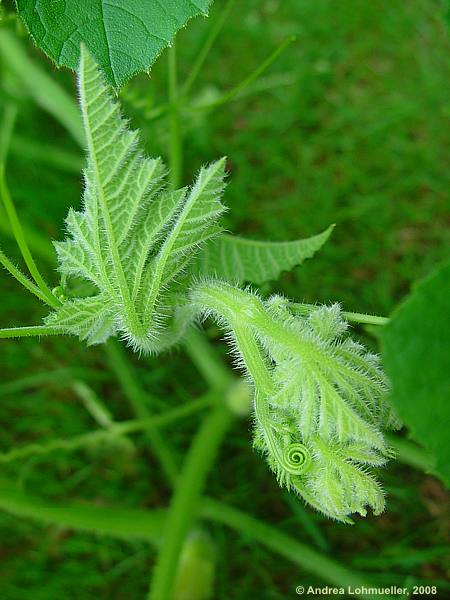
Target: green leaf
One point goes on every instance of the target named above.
(133, 237)
(415, 349)
(239, 260)
(195, 224)
(124, 36)
(91, 319)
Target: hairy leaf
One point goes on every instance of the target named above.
(415, 349)
(133, 237)
(238, 259)
(124, 36)
(320, 398)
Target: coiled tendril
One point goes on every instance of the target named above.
(296, 458)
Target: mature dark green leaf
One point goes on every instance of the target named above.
(238, 259)
(416, 355)
(124, 36)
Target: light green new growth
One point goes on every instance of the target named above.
(242, 260)
(320, 398)
(133, 237)
(320, 402)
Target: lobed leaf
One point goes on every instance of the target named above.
(132, 237)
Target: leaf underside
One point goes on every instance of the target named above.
(241, 260)
(133, 237)
(124, 36)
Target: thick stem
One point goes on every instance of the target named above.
(136, 524)
(184, 505)
(286, 546)
(241, 310)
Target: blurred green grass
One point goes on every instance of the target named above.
(350, 128)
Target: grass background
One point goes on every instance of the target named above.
(347, 127)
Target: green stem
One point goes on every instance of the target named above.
(123, 523)
(9, 120)
(136, 524)
(59, 376)
(247, 81)
(38, 330)
(284, 545)
(176, 150)
(137, 399)
(117, 429)
(21, 241)
(306, 309)
(21, 278)
(410, 454)
(205, 49)
(37, 242)
(93, 404)
(185, 501)
(208, 364)
(260, 374)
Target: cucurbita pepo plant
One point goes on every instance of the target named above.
(320, 403)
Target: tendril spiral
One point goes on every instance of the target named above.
(296, 458)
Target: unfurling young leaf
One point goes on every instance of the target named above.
(125, 36)
(320, 398)
(133, 237)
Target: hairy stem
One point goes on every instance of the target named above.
(21, 278)
(305, 309)
(36, 331)
(121, 523)
(240, 310)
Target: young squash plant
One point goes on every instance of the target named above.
(151, 263)
(320, 403)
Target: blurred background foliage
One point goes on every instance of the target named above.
(348, 126)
